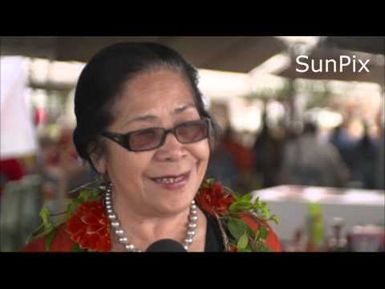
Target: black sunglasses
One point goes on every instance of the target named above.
(154, 137)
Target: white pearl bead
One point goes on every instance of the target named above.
(119, 232)
(188, 241)
(130, 247)
(123, 240)
(191, 233)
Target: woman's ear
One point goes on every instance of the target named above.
(99, 162)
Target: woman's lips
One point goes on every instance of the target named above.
(172, 182)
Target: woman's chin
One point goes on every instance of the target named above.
(174, 200)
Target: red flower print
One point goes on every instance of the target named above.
(90, 227)
(213, 199)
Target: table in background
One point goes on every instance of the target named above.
(291, 204)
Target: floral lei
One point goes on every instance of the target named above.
(87, 223)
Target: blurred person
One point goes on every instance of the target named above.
(142, 125)
(232, 163)
(268, 155)
(380, 163)
(309, 161)
(365, 161)
(239, 170)
(344, 143)
(223, 164)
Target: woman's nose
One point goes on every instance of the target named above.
(171, 149)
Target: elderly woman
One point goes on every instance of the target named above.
(142, 125)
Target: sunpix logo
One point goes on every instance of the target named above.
(342, 64)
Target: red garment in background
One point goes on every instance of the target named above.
(12, 169)
(242, 156)
(40, 116)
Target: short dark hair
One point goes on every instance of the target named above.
(103, 78)
(310, 127)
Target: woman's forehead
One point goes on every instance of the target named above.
(161, 81)
(164, 90)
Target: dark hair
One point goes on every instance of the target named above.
(310, 127)
(103, 78)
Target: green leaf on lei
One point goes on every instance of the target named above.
(86, 195)
(49, 238)
(275, 219)
(263, 232)
(236, 227)
(45, 227)
(245, 198)
(243, 242)
(44, 215)
(241, 204)
(209, 181)
(76, 248)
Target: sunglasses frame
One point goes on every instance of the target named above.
(123, 139)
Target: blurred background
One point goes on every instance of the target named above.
(310, 144)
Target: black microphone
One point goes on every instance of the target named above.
(166, 245)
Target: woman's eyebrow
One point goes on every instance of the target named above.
(152, 118)
(184, 107)
(142, 118)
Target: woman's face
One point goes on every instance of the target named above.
(160, 98)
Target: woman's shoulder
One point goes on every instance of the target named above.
(84, 226)
(57, 240)
(86, 229)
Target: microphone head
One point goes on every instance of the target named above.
(166, 245)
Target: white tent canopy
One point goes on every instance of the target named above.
(18, 137)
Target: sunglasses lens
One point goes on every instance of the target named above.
(146, 139)
(192, 132)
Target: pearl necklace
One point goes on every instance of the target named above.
(121, 234)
